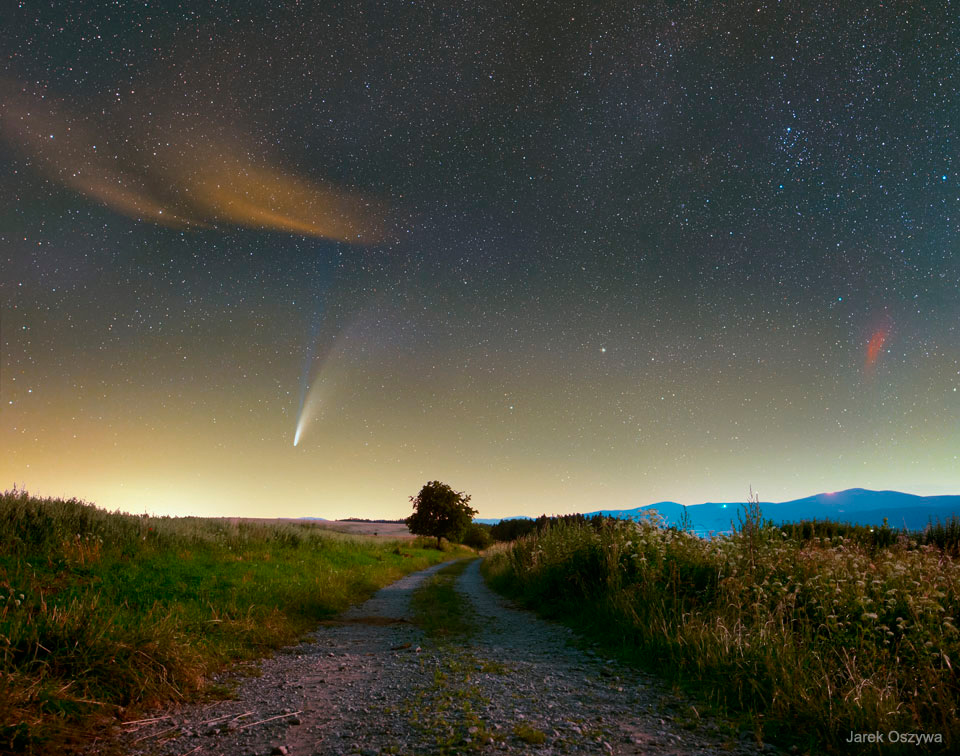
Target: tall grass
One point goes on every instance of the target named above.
(101, 613)
(796, 632)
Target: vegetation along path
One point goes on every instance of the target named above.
(437, 663)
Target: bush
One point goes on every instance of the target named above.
(426, 542)
(511, 530)
(477, 536)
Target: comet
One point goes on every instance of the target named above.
(331, 360)
(299, 429)
(307, 394)
(307, 412)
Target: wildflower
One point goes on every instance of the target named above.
(868, 615)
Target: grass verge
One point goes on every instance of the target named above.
(439, 609)
(448, 709)
(820, 636)
(102, 614)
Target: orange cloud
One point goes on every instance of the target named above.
(209, 179)
(236, 191)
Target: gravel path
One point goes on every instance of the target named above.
(370, 684)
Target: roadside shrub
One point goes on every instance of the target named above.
(869, 536)
(511, 530)
(477, 536)
(943, 535)
(428, 543)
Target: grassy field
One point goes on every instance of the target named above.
(805, 638)
(391, 531)
(103, 614)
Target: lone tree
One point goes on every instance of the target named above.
(440, 511)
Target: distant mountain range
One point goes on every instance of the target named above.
(855, 505)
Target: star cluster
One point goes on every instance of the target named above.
(564, 256)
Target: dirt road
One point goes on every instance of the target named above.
(371, 684)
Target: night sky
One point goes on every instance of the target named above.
(563, 256)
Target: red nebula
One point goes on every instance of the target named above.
(875, 345)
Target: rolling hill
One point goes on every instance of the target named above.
(855, 505)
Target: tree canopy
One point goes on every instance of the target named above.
(439, 511)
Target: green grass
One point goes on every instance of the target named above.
(448, 709)
(528, 734)
(102, 613)
(439, 609)
(814, 636)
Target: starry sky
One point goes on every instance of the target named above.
(563, 256)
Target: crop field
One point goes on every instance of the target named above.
(821, 630)
(391, 531)
(103, 614)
